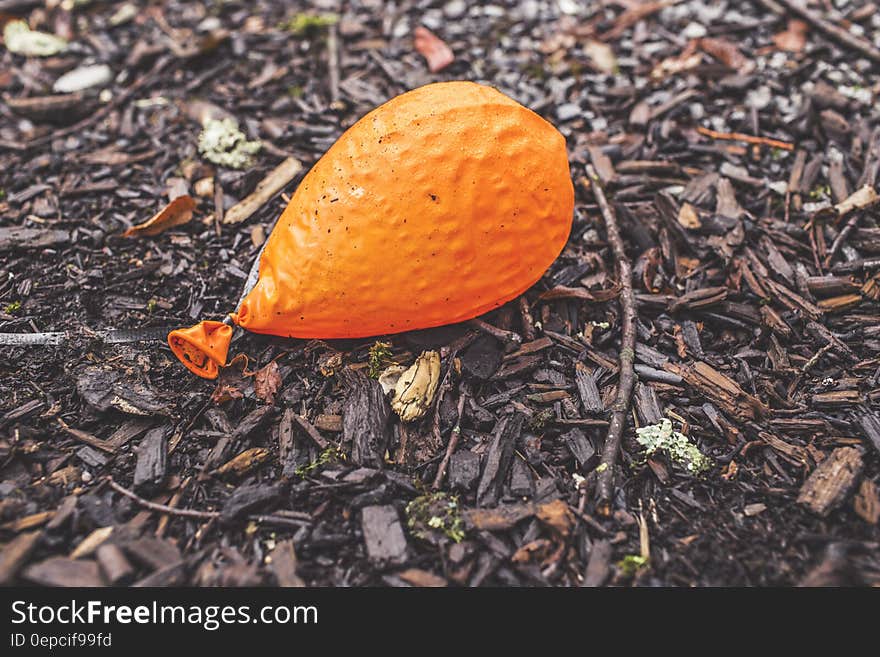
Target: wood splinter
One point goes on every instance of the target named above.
(831, 481)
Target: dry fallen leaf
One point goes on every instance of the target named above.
(794, 38)
(728, 54)
(415, 390)
(176, 213)
(231, 380)
(433, 49)
(266, 382)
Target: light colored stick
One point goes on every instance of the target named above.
(268, 187)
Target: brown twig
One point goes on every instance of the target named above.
(749, 139)
(844, 234)
(445, 385)
(837, 33)
(507, 337)
(173, 502)
(453, 442)
(626, 379)
(633, 15)
(282, 518)
(162, 508)
(528, 322)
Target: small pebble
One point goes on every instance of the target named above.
(759, 98)
(568, 111)
(694, 31)
(455, 9)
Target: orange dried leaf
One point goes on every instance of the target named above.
(728, 54)
(176, 213)
(794, 38)
(433, 49)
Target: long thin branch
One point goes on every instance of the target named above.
(626, 378)
(162, 508)
(844, 234)
(453, 442)
(836, 32)
(507, 337)
(281, 518)
(748, 139)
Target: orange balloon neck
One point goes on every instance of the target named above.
(202, 348)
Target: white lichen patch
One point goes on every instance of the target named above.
(223, 143)
(676, 446)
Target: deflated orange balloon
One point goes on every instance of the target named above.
(436, 207)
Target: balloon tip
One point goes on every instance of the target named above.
(202, 348)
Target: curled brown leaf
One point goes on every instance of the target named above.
(433, 49)
(176, 213)
(267, 381)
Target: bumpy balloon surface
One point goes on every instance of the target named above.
(438, 206)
